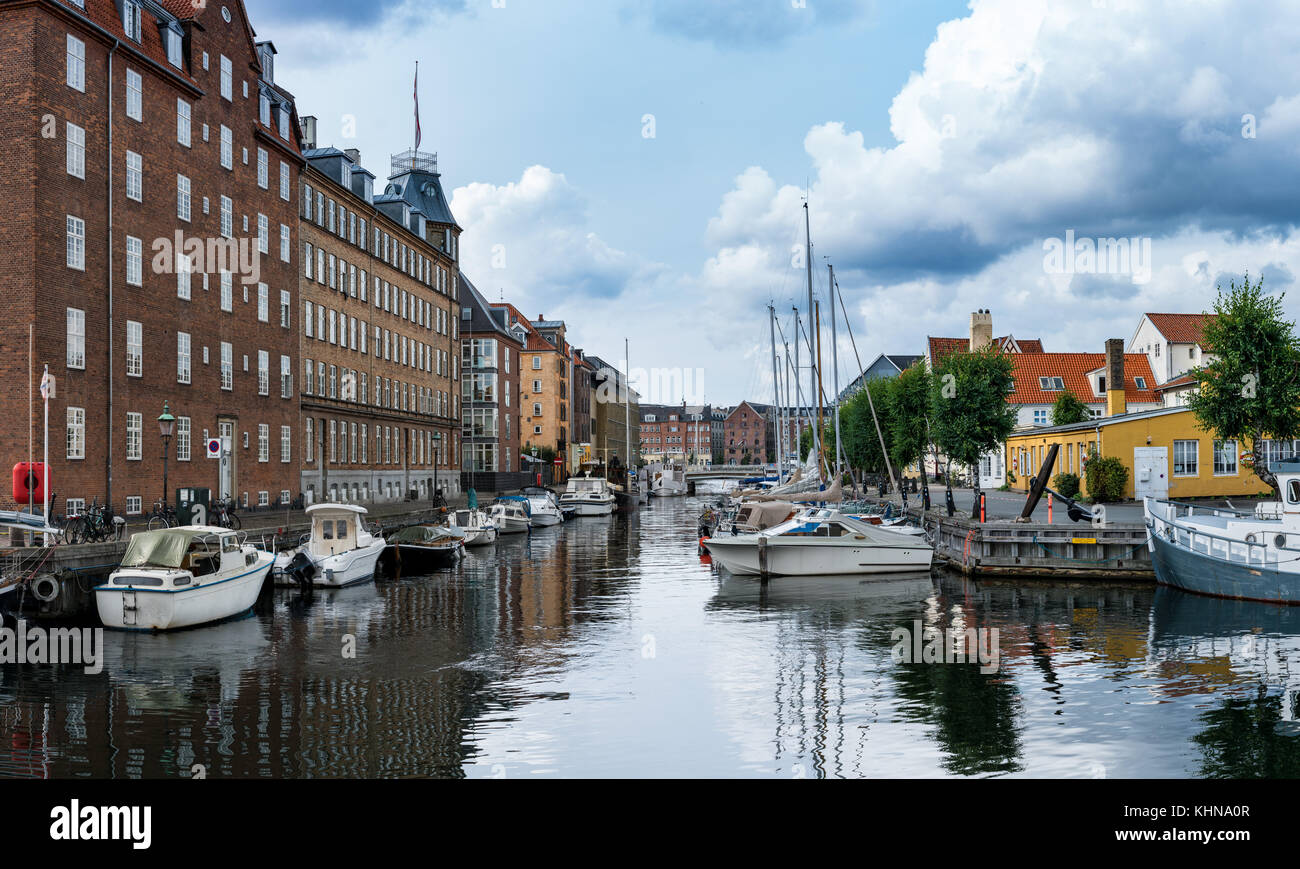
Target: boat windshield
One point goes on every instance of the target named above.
(168, 549)
(585, 485)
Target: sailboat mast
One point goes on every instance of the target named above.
(835, 373)
(817, 431)
(798, 391)
(812, 313)
(627, 412)
(776, 391)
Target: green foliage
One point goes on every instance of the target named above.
(908, 429)
(1068, 484)
(858, 429)
(1251, 389)
(1107, 478)
(969, 411)
(1068, 409)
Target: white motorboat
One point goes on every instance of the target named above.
(477, 525)
(545, 507)
(511, 515)
(182, 578)
(588, 496)
(339, 551)
(669, 482)
(820, 542)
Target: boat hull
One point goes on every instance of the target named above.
(418, 560)
(741, 557)
(512, 526)
(150, 609)
(477, 537)
(338, 571)
(583, 509)
(1197, 573)
(546, 520)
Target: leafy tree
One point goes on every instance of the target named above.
(862, 447)
(1068, 409)
(1251, 389)
(908, 431)
(969, 412)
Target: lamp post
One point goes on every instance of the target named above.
(166, 428)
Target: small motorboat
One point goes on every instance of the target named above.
(477, 526)
(511, 515)
(670, 482)
(181, 578)
(339, 550)
(544, 506)
(588, 496)
(820, 542)
(420, 549)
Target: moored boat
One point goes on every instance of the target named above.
(543, 506)
(477, 526)
(182, 578)
(421, 549)
(588, 496)
(339, 551)
(510, 515)
(1230, 553)
(820, 542)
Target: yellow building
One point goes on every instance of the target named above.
(1166, 453)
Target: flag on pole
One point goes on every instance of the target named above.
(47, 386)
(418, 137)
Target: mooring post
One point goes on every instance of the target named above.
(762, 557)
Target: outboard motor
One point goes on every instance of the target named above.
(302, 571)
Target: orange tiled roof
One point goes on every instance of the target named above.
(1074, 369)
(941, 348)
(1181, 328)
(1180, 382)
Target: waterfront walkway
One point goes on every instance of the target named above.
(1009, 505)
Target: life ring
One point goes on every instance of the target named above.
(46, 588)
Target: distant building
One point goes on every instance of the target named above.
(885, 366)
(491, 354)
(617, 408)
(678, 434)
(1174, 345)
(748, 435)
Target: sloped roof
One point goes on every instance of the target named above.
(1178, 383)
(1181, 328)
(941, 348)
(423, 192)
(1074, 368)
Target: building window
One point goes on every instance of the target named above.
(183, 433)
(286, 378)
(76, 151)
(183, 122)
(309, 442)
(76, 339)
(284, 182)
(131, 19)
(227, 217)
(1225, 458)
(76, 64)
(227, 366)
(76, 243)
(76, 433)
(227, 79)
(227, 148)
(1186, 458)
(1140, 382)
(134, 505)
(134, 349)
(263, 373)
(134, 434)
(263, 169)
(1040, 418)
(134, 176)
(263, 303)
(227, 292)
(184, 201)
(173, 39)
(134, 261)
(263, 443)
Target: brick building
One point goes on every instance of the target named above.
(491, 355)
(748, 433)
(581, 399)
(544, 380)
(676, 434)
(378, 342)
(155, 269)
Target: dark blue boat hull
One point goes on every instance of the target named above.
(1201, 574)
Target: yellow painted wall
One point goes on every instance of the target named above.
(1120, 439)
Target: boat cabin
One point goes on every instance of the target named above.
(179, 556)
(337, 528)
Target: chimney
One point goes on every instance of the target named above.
(981, 330)
(1116, 404)
(309, 131)
(354, 155)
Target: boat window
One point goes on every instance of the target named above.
(143, 581)
(229, 544)
(343, 530)
(1293, 492)
(326, 530)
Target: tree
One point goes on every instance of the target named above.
(1068, 409)
(970, 416)
(908, 431)
(862, 447)
(1250, 390)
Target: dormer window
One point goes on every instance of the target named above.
(1101, 384)
(1051, 384)
(264, 104)
(173, 40)
(268, 64)
(284, 121)
(131, 19)
(1141, 382)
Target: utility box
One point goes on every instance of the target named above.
(194, 506)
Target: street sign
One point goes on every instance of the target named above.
(214, 448)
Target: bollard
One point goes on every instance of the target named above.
(762, 557)
(983, 507)
(1049, 508)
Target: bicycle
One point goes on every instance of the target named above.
(163, 516)
(224, 516)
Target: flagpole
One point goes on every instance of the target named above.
(46, 458)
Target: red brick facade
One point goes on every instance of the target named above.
(745, 433)
(121, 353)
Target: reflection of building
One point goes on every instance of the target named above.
(379, 285)
(491, 354)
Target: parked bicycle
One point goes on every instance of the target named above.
(163, 516)
(224, 516)
(96, 525)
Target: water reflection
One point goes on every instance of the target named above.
(606, 647)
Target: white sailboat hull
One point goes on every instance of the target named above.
(511, 525)
(740, 556)
(336, 571)
(484, 536)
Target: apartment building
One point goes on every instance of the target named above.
(491, 355)
(544, 381)
(149, 230)
(380, 343)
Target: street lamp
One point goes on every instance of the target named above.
(166, 428)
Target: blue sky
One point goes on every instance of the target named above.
(943, 142)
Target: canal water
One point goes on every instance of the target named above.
(606, 647)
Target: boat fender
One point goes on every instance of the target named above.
(46, 588)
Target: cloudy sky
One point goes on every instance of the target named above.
(638, 167)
